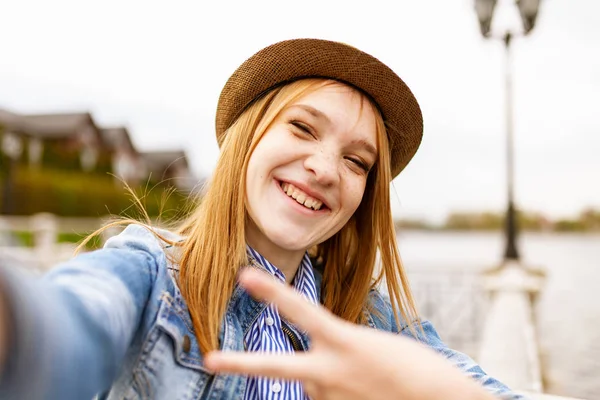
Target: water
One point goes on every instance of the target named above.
(568, 311)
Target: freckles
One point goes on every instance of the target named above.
(355, 192)
(351, 196)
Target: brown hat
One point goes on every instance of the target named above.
(295, 59)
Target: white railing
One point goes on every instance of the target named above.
(45, 229)
(37, 222)
(453, 299)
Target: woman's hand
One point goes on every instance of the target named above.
(346, 361)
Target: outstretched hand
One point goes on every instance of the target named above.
(346, 361)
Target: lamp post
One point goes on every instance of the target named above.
(528, 10)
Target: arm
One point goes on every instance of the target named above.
(69, 331)
(463, 362)
(385, 320)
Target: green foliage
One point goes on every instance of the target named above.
(590, 219)
(58, 154)
(4, 159)
(494, 221)
(104, 163)
(568, 226)
(78, 194)
(412, 224)
(25, 238)
(587, 221)
(471, 221)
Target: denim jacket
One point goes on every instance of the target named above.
(113, 323)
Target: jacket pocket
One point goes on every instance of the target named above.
(170, 364)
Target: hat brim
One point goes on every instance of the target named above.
(295, 59)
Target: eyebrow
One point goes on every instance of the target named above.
(314, 112)
(320, 115)
(367, 146)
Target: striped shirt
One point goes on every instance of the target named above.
(266, 334)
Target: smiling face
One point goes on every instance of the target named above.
(307, 175)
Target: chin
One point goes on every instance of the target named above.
(284, 240)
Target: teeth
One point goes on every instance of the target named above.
(301, 197)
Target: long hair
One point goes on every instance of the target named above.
(214, 248)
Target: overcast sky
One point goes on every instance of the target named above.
(158, 68)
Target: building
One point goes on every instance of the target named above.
(127, 163)
(74, 141)
(169, 167)
(69, 140)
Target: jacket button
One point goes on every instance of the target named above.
(187, 344)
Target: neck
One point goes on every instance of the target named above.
(287, 261)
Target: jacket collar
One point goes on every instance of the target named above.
(247, 309)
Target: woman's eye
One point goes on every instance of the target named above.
(302, 127)
(359, 163)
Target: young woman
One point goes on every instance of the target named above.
(311, 133)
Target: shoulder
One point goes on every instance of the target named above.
(137, 237)
(136, 256)
(137, 249)
(381, 317)
(381, 313)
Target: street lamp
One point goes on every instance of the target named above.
(528, 9)
(485, 12)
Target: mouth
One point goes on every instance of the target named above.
(300, 197)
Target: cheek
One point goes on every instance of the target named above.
(261, 160)
(270, 151)
(254, 179)
(353, 194)
(251, 175)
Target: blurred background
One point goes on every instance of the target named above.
(502, 194)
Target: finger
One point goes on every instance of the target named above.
(312, 318)
(311, 389)
(284, 366)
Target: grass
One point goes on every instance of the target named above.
(25, 238)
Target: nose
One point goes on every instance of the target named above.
(323, 165)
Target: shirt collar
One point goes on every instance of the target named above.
(304, 281)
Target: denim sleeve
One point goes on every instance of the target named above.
(430, 337)
(70, 329)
